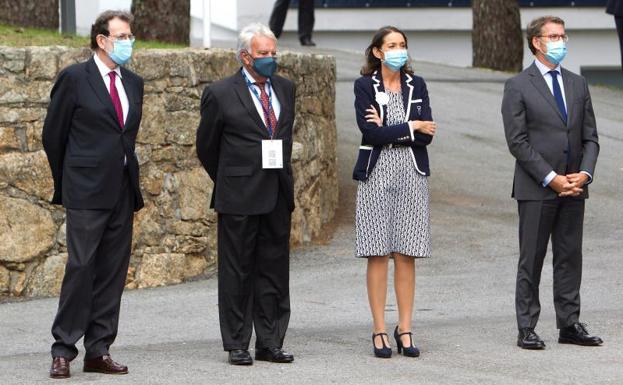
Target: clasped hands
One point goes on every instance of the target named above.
(569, 185)
(423, 126)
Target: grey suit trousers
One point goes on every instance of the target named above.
(562, 219)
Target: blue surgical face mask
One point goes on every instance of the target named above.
(556, 51)
(395, 59)
(265, 66)
(122, 51)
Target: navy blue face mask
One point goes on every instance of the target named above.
(264, 66)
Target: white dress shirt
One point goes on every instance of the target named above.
(105, 72)
(550, 84)
(549, 80)
(258, 105)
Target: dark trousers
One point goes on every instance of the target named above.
(98, 244)
(253, 277)
(562, 219)
(306, 18)
(619, 22)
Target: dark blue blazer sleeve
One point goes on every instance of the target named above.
(373, 134)
(421, 139)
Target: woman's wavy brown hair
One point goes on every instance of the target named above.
(372, 62)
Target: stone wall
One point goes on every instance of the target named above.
(30, 13)
(175, 234)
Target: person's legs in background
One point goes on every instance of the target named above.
(306, 22)
(278, 16)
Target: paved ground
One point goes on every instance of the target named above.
(464, 319)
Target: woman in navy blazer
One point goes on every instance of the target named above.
(392, 219)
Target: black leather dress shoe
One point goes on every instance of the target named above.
(307, 42)
(240, 357)
(528, 339)
(60, 368)
(273, 355)
(578, 335)
(104, 364)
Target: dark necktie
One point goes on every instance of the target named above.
(114, 95)
(558, 94)
(269, 113)
(561, 107)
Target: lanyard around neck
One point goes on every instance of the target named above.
(259, 99)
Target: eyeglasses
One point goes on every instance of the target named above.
(122, 36)
(555, 37)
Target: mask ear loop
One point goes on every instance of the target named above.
(382, 58)
(251, 56)
(540, 44)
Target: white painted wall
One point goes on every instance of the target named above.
(435, 34)
(87, 11)
(223, 17)
(251, 11)
(444, 34)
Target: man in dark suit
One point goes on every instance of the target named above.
(306, 20)
(615, 8)
(244, 142)
(89, 135)
(550, 129)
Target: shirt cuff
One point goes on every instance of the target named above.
(550, 177)
(590, 177)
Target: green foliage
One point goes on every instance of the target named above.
(22, 37)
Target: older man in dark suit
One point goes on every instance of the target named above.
(244, 142)
(550, 130)
(89, 135)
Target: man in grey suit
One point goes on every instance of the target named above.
(550, 129)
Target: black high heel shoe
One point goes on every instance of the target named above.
(407, 351)
(385, 351)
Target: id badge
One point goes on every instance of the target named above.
(272, 153)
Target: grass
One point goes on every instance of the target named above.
(21, 37)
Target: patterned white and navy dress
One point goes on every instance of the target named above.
(392, 205)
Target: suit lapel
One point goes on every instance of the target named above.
(240, 85)
(377, 84)
(280, 94)
(407, 93)
(97, 83)
(567, 81)
(131, 94)
(539, 83)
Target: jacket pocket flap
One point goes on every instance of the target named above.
(238, 171)
(81, 161)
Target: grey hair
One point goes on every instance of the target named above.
(249, 32)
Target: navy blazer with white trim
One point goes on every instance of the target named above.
(417, 107)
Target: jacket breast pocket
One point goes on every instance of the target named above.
(238, 171)
(81, 161)
(416, 106)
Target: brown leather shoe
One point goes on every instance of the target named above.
(60, 368)
(104, 364)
